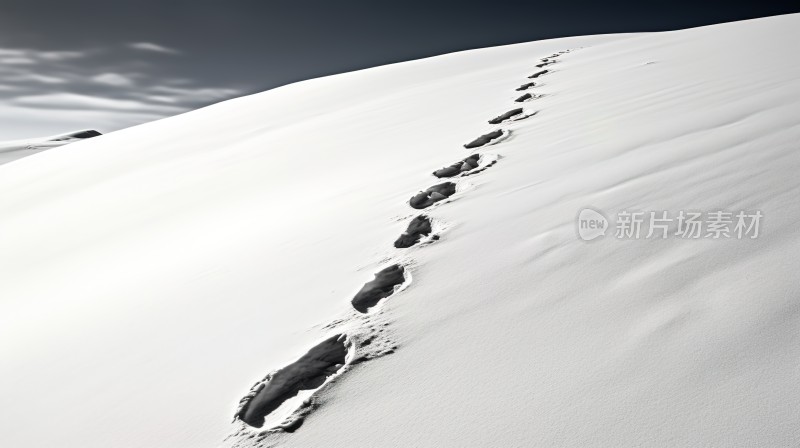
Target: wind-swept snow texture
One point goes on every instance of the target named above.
(151, 276)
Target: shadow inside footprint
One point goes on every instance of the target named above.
(524, 98)
(308, 372)
(484, 139)
(526, 86)
(417, 228)
(381, 287)
(538, 74)
(468, 164)
(432, 195)
(501, 118)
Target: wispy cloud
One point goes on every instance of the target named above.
(61, 55)
(99, 88)
(194, 95)
(75, 101)
(32, 77)
(156, 48)
(113, 79)
(25, 56)
(17, 60)
(11, 52)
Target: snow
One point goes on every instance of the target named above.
(17, 149)
(151, 276)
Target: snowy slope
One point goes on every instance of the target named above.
(150, 277)
(17, 149)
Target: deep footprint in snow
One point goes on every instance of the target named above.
(538, 74)
(512, 115)
(524, 98)
(308, 372)
(381, 287)
(501, 118)
(545, 64)
(468, 164)
(526, 86)
(432, 195)
(417, 228)
(484, 139)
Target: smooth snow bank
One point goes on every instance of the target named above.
(17, 149)
(151, 277)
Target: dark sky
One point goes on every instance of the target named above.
(117, 58)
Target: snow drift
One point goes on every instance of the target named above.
(151, 276)
(16, 149)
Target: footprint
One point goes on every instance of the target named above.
(538, 74)
(525, 86)
(506, 116)
(485, 138)
(488, 160)
(381, 287)
(524, 98)
(417, 228)
(545, 64)
(468, 164)
(432, 195)
(510, 116)
(307, 373)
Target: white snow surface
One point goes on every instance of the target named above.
(151, 276)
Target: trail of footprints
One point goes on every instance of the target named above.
(337, 353)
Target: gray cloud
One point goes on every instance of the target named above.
(17, 60)
(25, 56)
(156, 48)
(61, 55)
(32, 77)
(114, 79)
(75, 101)
(101, 88)
(11, 52)
(194, 95)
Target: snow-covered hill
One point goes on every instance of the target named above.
(153, 277)
(17, 149)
